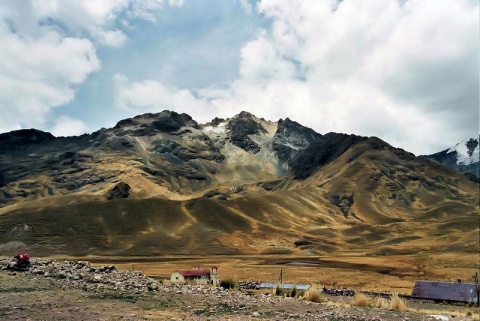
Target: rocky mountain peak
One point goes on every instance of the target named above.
(463, 157)
(291, 137)
(23, 137)
(240, 127)
(296, 134)
(149, 124)
(215, 122)
(245, 114)
(466, 152)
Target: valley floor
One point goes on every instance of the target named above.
(390, 274)
(25, 297)
(30, 296)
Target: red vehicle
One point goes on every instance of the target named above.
(22, 263)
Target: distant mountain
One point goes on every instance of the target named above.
(164, 184)
(463, 157)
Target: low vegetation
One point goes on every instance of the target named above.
(394, 303)
(361, 300)
(314, 295)
(228, 283)
(293, 293)
(380, 303)
(397, 303)
(278, 291)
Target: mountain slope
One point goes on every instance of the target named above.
(164, 184)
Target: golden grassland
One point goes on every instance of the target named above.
(393, 274)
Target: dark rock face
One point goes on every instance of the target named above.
(121, 190)
(215, 122)
(292, 137)
(3, 180)
(471, 145)
(23, 137)
(149, 124)
(240, 127)
(449, 159)
(203, 148)
(321, 152)
(122, 143)
(344, 202)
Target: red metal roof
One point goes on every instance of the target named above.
(186, 273)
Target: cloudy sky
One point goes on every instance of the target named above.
(406, 71)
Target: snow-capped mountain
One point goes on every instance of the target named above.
(464, 157)
(466, 151)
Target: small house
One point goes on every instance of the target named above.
(196, 276)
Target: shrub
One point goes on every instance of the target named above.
(313, 295)
(361, 300)
(228, 283)
(397, 303)
(293, 293)
(300, 294)
(379, 302)
(279, 291)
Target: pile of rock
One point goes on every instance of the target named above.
(81, 274)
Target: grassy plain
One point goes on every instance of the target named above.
(394, 274)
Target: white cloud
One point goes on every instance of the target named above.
(94, 19)
(404, 71)
(112, 38)
(39, 73)
(401, 72)
(152, 96)
(145, 9)
(48, 48)
(67, 126)
(246, 6)
(261, 62)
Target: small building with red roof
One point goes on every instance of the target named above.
(196, 276)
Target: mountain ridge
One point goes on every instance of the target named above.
(162, 183)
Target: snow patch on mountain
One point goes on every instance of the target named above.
(219, 129)
(467, 151)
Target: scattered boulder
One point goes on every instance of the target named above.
(121, 190)
(80, 274)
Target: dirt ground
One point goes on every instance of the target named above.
(30, 297)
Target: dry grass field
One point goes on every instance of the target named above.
(394, 274)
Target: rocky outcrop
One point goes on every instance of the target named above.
(83, 275)
(200, 147)
(149, 124)
(290, 138)
(24, 137)
(121, 190)
(321, 152)
(240, 127)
